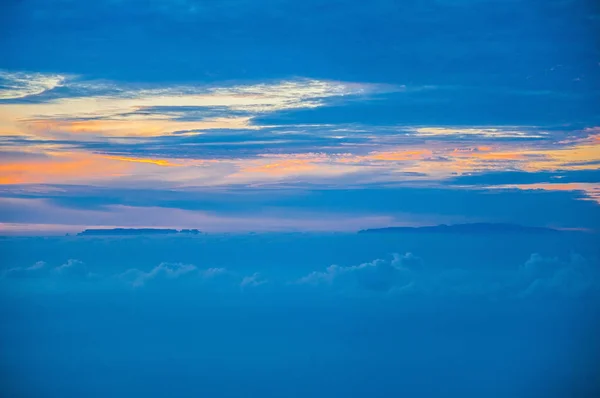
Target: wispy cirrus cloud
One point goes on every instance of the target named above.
(221, 158)
(486, 132)
(14, 85)
(136, 110)
(61, 167)
(113, 134)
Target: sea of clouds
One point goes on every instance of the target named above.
(300, 315)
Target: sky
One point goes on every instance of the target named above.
(279, 129)
(238, 115)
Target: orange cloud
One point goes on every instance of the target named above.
(423, 160)
(400, 155)
(497, 156)
(283, 167)
(60, 169)
(578, 157)
(148, 127)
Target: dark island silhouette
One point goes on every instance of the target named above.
(474, 228)
(136, 231)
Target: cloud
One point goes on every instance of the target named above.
(64, 167)
(18, 272)
(586, 181)
(214, 273)
(538, 277)
(88, 107)
(456, 276)
(523, 177)
(190, 134)
(68, 267)
(479, 132)
(378, 275)
(7, 156)
(210, 279)
(72, 269)
(543, 276)
(163, 271)
(267, 154)
(15, 85)
(253, 280)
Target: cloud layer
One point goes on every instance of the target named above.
(396, 277)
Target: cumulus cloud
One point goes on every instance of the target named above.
(211, 278)
(72, 268)
(538, 276)
(71, 265)
(252, 280)
(17, 272)
(550, 276)
(378, 275)
(162, 271)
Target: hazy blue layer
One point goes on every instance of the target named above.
(300, 315)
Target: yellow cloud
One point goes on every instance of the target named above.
(157, 162)
(129, 128)
(124, 113)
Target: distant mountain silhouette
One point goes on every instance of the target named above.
(134, 231)
(475, 228)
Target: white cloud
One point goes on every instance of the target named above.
(213, 272)
(15, 85)
(72, 268)
(162, 271)
(71, 264)
(252, 280)
(539, 275)
(551, 276)
(121, 109)
(397, 276)
(17, 272)
(489, 132)
(210, 278)
(378, 275)
(302, 93)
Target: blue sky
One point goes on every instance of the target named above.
(303, 121)
(227, 115)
